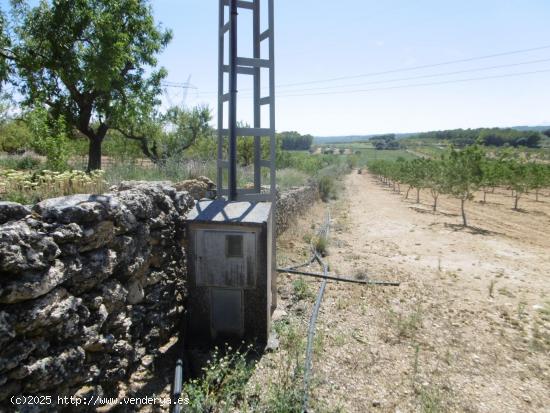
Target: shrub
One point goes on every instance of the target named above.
(222, 384)
(327, 188)
(301, 289)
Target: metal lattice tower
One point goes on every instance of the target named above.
(248, 66)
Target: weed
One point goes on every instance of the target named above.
(321, 245)
(284, 394)
(430, 400)
(492, 288)
(301, 289)
(521, 309)
(222, 384)
(504, 291)
(407, 326)
(327, 188)
(415, 363)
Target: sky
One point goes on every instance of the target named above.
(317, 41)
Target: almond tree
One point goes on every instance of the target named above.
(463, 175)
(436, 179)
(92, 62)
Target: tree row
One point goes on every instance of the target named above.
(460, 173)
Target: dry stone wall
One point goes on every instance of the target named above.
(89, 285)
(293, 203)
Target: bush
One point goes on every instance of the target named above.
(27, 162)
(222, 385)
(289, 177)
(327, 188)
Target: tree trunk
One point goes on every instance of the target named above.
(435, 203)
(516, 201)
(484, 196)
(537, 195)
(407, 194)
(417, 195)
(462, 202)
(94, 154)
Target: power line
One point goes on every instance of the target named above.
(376, 82)
(417, 84)
(385, 72)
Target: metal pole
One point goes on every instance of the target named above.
(233, 100)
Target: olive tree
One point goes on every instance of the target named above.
(93, 62)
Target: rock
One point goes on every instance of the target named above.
(199, 188)
(46, 311)
(14, 354)
(114, 295)
(7, 332)
(67, 233)
(96, 236)
(80, 208)
(96, 266)
(135, 293)
(23, 249)
(54, 370)
(32, 285)
(12, 211)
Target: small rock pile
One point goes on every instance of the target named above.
(199, 188)
(89, 286)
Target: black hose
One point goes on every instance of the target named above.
(323, 232)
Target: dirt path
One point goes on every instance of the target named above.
(467, 330)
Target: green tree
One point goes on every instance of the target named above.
(435, 179)
(463, 175)
(162, 136)
(49, 138)
(492, 176)
(517, 177)
(92, 62)
(4, 50)
(539, 177)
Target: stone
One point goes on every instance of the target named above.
(96, 236)
(96, 266)
(11, 356)
(12, 211)
(80, 208)
(57, 369)
(33, 284)
(67, 233)
(7, 332)
(113, 295)
(23, 249)
(199, 188)
(46, 311)
(135, 292)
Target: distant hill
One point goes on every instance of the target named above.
(358, 138)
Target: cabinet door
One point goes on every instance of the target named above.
(225, 259)
(226, 311)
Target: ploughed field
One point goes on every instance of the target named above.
(467, 330)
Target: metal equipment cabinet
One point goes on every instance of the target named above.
(229, 271)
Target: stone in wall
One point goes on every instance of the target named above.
(293, 203)
(89, 285)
